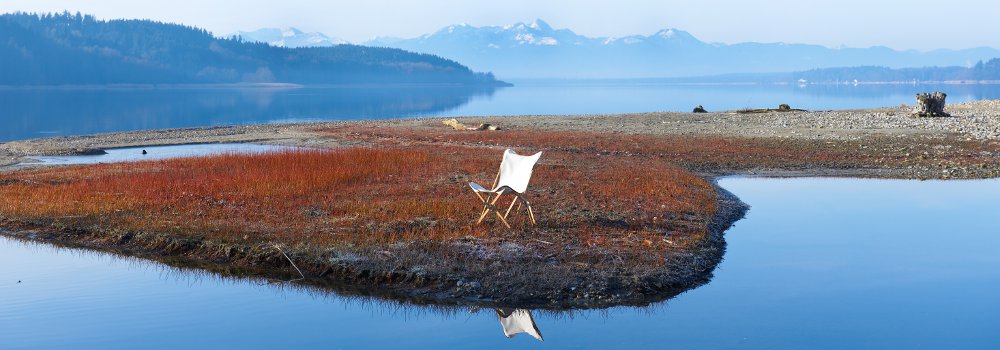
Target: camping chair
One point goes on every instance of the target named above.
(515, 171)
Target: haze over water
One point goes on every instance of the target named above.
(47, 112)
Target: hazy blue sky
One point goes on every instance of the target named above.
(910, 24)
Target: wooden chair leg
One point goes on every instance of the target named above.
(531, 214)
(507, 214)
(489, 205)
(493, 207)
(486, 207)
(504, 221)
(482, 216)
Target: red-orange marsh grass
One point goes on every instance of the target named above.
(713, 152)
(359, 196)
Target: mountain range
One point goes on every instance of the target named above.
(289, 37)
(76, 49)
(537, 50)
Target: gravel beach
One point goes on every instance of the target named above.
(977, 121)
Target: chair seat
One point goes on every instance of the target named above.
(479, 188)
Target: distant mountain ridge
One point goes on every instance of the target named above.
(289, 37)
(536, 33)
(537, 50)
(67, 49)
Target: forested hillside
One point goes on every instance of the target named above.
(55, 49)
(989, 70)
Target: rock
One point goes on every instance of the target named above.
(489, 127)
(699, 109)
(784, 107)
(930, 105)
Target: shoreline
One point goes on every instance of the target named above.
(977, 121)
(261, 261)
(264, 86)
(879, 143)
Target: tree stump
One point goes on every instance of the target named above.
(930, 105)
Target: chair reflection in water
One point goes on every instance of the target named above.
(518, 321)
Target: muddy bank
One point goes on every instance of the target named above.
(519, 277)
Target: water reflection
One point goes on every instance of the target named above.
(32, 113)
(817, 263)
(70, 284)
(131, 154)
(517, 321)
(44, 112)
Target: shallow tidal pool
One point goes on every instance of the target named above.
(817, 263)
(134, 154)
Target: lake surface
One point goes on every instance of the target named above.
(45, 112)
(817, 263)
(132, 154)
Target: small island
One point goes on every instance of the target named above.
(628, 210)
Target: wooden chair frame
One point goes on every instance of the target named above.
(491, 199)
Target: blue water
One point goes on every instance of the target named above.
(46, 112)
(817, 263)
(132, 154)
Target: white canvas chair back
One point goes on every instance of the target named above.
(515, 170)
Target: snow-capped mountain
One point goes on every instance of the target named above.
(289, 37)
(520, 35)
(525, 50)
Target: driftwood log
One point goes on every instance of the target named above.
(930, 105)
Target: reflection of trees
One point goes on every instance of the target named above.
(30, 112)
(986, 91)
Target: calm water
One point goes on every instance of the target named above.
(33, 113)
(131, 154)
(817, 263)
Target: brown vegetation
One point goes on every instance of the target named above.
(357, 196)
(716, 155)
(620, 221)
(392, 215)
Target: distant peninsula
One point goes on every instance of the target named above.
(77, 49)
(988, 71)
